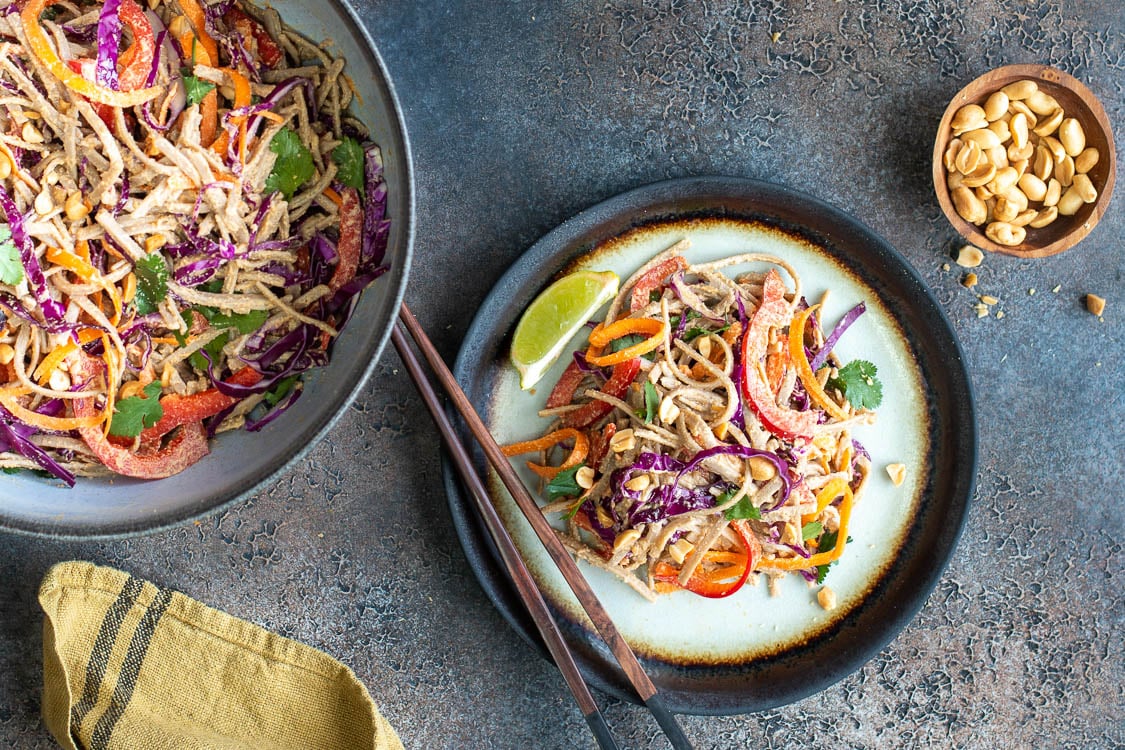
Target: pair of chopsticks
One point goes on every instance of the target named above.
(525, 584)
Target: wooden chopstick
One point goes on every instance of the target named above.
(525, 585)
(561, 557)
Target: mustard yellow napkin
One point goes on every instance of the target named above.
(129, 665)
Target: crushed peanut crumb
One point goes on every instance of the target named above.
(945, 266)
(1031, 291)
(982, 310)
(897, 473)
(969, 281)
(988, 299)
(827, 598)
(999, 314)
(969, 256)
(1057, 288)
(1095, 304)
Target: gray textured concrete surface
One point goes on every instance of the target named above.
(522, 114)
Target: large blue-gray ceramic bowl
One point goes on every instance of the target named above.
(240, 462)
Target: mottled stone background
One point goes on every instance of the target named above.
(523, 113)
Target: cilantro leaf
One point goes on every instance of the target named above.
(152, 282)
(134, 414)
(564, 484)
(652, 403)
(742, 509)
(827, 542)
(213, 348)
(281, 390)
(694, 333)
(349, 162)
(624, 342)
(246, 322)
(196, 89)
(294, 165)
(857, 381)
(11, 267)
(811, 530)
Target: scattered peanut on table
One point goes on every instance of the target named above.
(1018, 162)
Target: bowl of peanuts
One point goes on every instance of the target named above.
(1024, 161)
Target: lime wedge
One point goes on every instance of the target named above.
(553, 318)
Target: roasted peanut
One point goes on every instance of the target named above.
(1095, 304)
(1020, 153)
(997, 156)
(639, 483)
(1001, 129)
(584, 477)
(1041, 103)
(951, 153)
(1086, 160)
(982, 175)
(1006, 210)
(1018, 128)
(1044, 217)
(1054, 192)
(75, 207)
(7, 354)
(44, 203)
(1021, 108)
(969, 256)
(1070, 202)
(1072, 136)
(622, 441)
(996, 106)
(1020, 90)
(1056, 147)
(762, 469)
(1033, 187)
(1064, 170)
(1049, 124)
(1044, 162)
(969, 117)
(1024, 218)
(984, 137)
(1003, 233)
(968, 206)
(1085, 188)
(968, 157)
(625, 540)
(1004, 179)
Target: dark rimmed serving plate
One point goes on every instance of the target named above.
(754, 678)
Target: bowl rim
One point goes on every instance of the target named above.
(1054, 77)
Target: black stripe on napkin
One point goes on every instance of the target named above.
(127, 681)
(103, 647)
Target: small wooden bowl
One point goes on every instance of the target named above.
(1076, 101)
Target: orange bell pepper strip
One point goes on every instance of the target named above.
(603, 334)
(801, 361)
(824, 498)
(9, 399)
(827, 556)
(577, 454)
(41, 48)
(719, 582)
(193, 11)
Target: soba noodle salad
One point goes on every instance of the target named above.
(705, 436)
(188, 213)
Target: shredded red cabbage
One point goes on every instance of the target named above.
(253, 425)
(829, 343)
(109, 42)
(15, 437)
(52, 310)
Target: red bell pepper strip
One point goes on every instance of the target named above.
(351, 238)
(268, 52)
(564, 390)
(599, 444)
(182, 451)
(653, 279)
(136, 61)
(623, 376)
(721, 582)
(181, 410)
(783, 422)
